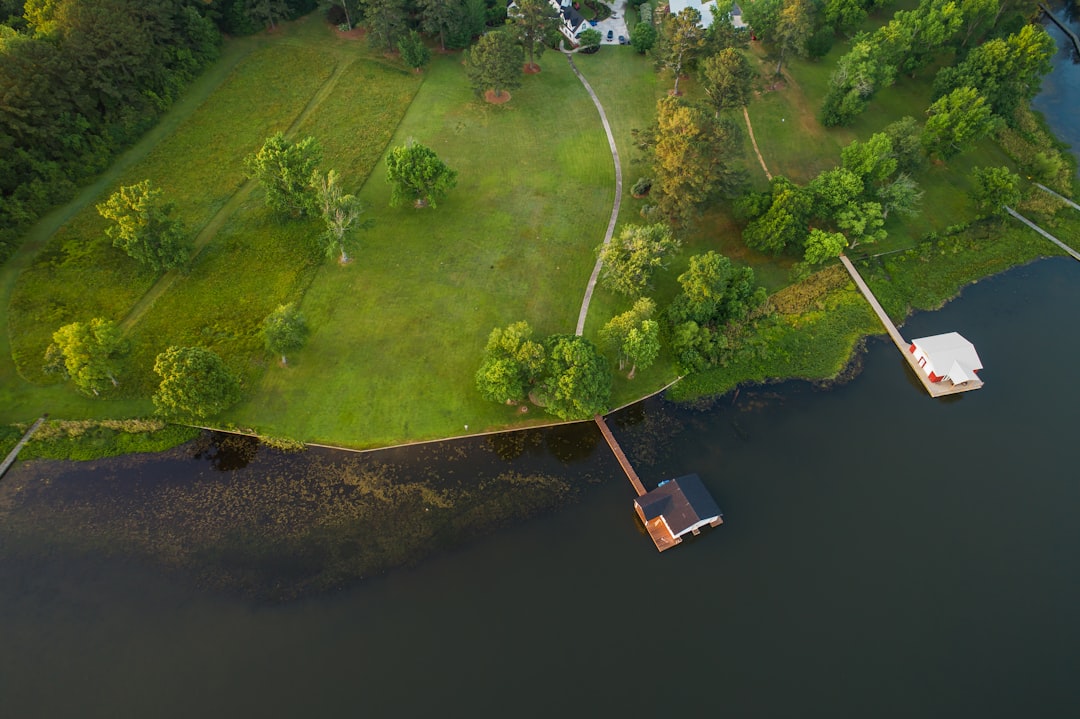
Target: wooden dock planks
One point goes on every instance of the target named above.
(617, 450)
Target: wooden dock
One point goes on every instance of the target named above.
(1065, 28)
(1044, 233)
(14, 454)
(617, 451)
(934, 389)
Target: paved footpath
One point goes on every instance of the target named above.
(618, 194)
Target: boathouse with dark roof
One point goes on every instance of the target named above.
(676, 508)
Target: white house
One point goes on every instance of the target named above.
(571, 22)
(948, 356)
(708, 9)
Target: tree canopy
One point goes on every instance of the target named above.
(995, 187)
(513, 362)
(284, 169)
(340, 211)
(87, 353)
(634, 336)
(534, 24)
(577, 382)
(195, 383)
(144, 227)
(681, 40)
(631, 258)
(494, 64)
(284, 330)
(417, 175)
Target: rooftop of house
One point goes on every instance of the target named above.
(683, 502)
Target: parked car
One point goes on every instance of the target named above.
(622, 40)
(610, 35)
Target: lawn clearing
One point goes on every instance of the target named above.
(400, 332)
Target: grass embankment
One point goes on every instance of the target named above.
(94, 439)
(400, 332)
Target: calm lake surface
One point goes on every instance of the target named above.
(884, 555)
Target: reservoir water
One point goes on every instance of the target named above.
(884, 555)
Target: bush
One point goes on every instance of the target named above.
(642, 187)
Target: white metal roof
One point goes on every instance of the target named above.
(951, 349)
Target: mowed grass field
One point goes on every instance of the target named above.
(400, 332)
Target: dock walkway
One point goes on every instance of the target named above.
(14, 454)
(1044, 233)
(617, 450)
(1065, 28)
(1064, 199)
(934, 389)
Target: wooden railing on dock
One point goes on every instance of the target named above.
(617, 450)
(13, 454)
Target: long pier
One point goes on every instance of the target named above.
(1064, 199)
(934, 389)
(617, 451)
(14, 454)
(1065, 28)
(1044, 233)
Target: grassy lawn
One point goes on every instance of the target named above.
(80, 275)
(400, 332)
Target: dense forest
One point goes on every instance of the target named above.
(82, 79)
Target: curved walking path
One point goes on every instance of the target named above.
(618, 195)
(750, 129)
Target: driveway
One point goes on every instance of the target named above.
(616, 24)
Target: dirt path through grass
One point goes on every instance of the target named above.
(210, 230)
(750, 129)
(618, 196)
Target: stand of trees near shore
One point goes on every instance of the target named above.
(81, 79)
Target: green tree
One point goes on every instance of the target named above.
(590, 39)
(417, 175)
(86, 353)
(385, 20)
(643, 37)
(794, 26)
(862, 222)
(284, 170)
(633, 336)
(513, 362)
(339, 211)
(843, 15)
(902, 195)
(144, 227)
(630, 259)
(1006, 71)
(284, 330)
(266, 12)
(905, 136)
(195, 383)
(414, 52)
(715, 295)
(444, 18)
(577, 382)
(727, 78)
(995, 188)
(956, 122)
(822, 246)
(853, 82)
(494, 64)
(872, 161)
(693, 158)
(681, 40)
(783, 225)
(534, 24)
(833, 190)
